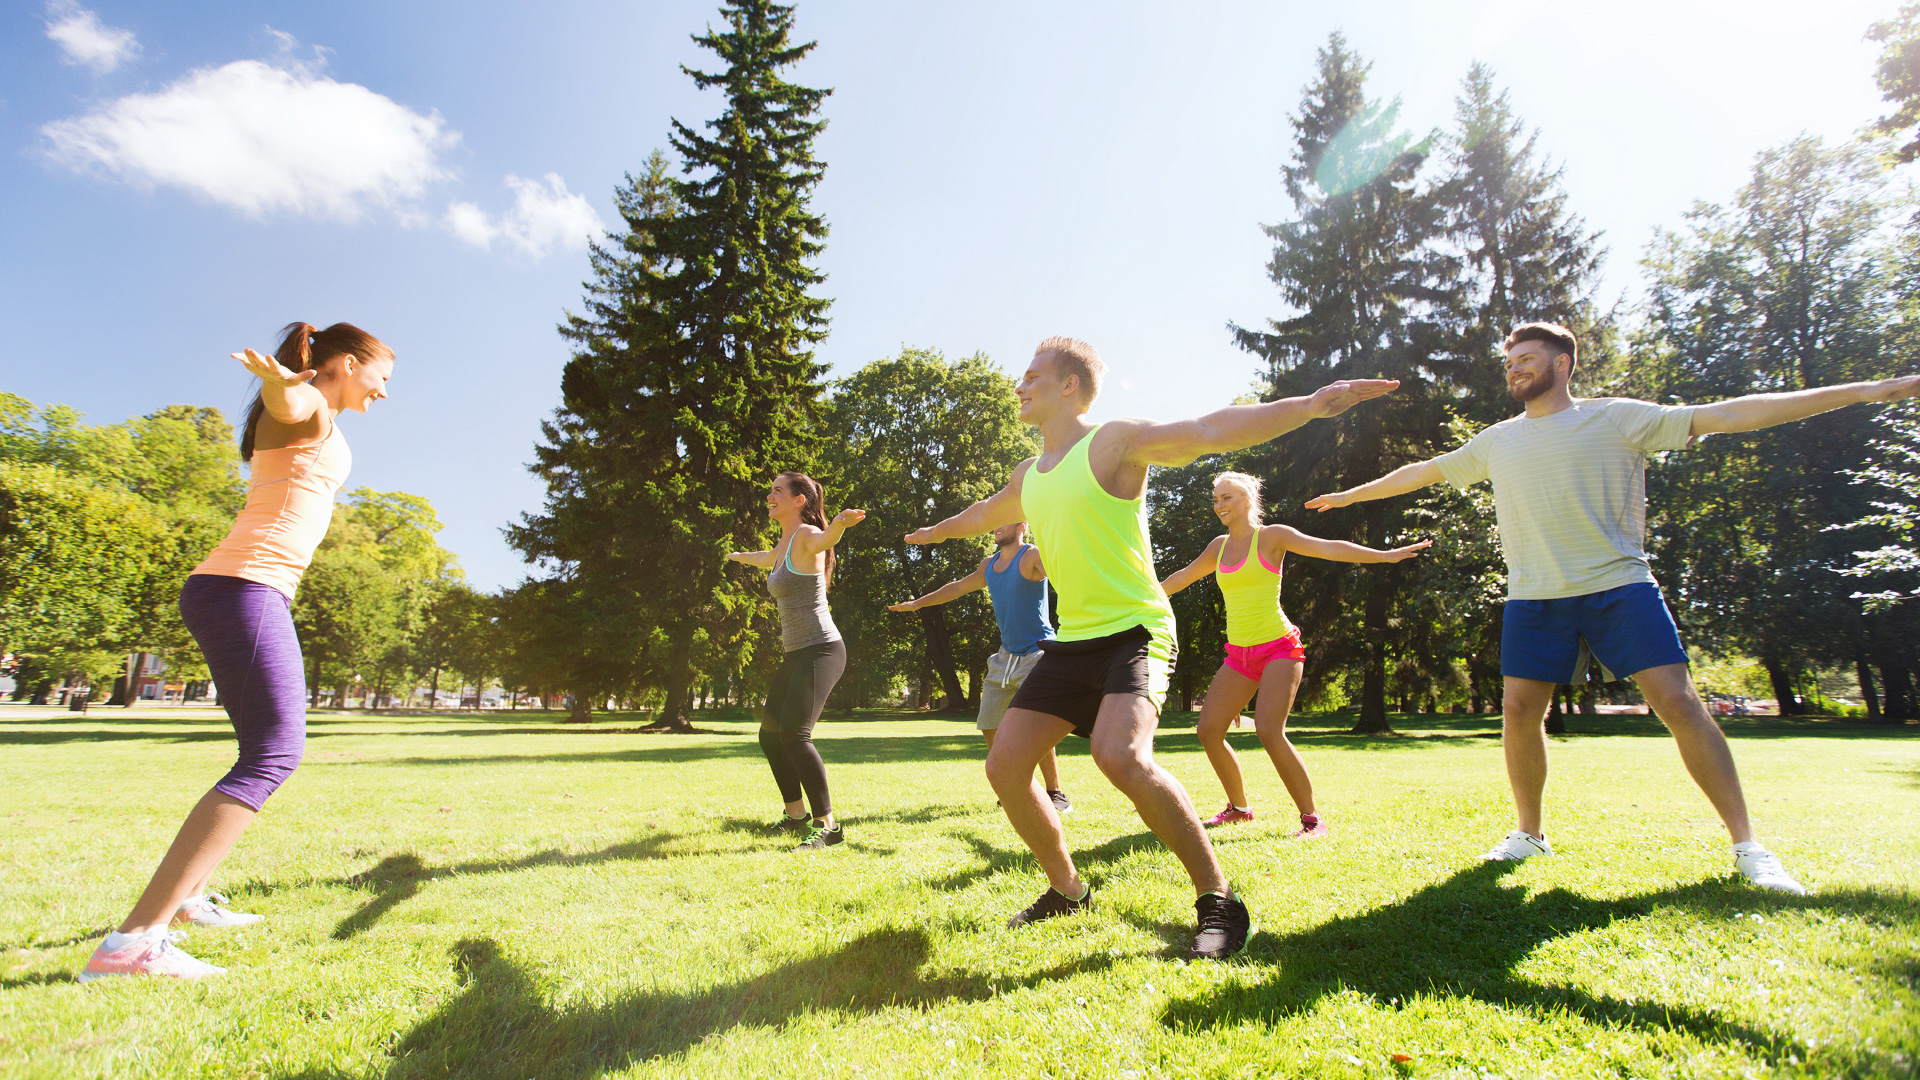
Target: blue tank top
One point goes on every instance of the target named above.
(1019, 605)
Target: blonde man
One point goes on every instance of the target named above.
(1104, 676)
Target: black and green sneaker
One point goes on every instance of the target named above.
(1052, 902)
(790, 824)
(820, 839)
(1224, 927)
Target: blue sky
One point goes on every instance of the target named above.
(997, 172)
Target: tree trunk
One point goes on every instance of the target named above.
(313, 702)
(1590, 692)
(1556, 720)
(1373, 684)
(674, 712)
(1789, 702)
(433, 702)
(1899, 690)
(582, 711)
(933, 622)
(1865, 676)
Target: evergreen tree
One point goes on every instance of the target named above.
(1524, 256)
(1360, 272)
(693, 380)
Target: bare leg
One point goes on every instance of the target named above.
(1228, 694)
(1123, 748)
(1024, 738)
(1278, 684)
(212, 827)
(1703, 746)
(1523, 735)
(1049, 765)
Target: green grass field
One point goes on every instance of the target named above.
(508, 896)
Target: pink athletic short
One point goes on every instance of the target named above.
(1251, 660)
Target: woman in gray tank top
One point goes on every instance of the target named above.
(802, 567)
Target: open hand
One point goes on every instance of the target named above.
(1324, 503)
(270, 371)
(1402, 554)
(1336, 398)
(922, 536)
(849, 517)
(905, 605)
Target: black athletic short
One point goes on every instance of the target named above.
(1073, 676)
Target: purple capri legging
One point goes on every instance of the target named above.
(245, 630)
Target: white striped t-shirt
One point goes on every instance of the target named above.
(1570, 491)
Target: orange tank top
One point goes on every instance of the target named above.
(289, 506)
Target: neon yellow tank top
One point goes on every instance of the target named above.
(1252, 592)
(1097, 552)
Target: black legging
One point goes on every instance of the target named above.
(794, 702)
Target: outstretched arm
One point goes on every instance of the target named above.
(1195, 570)
(1239, 426)
(1757, 411)
(1398, 482)
(1341, 550)
(290, 398)
(761, 559)
(952, 590)
(815, 541)
(1000, 508)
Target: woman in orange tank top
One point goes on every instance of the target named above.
(237, 603)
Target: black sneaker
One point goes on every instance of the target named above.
(790, 824)
(1224, 927)
(1061, 804)
(1052, 902)
(819, 839)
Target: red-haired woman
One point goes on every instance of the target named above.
(237, 605)
(802, 565)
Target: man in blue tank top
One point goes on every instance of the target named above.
(1016, 580)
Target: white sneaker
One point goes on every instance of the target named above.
(1762, 867)
(149, 954)
(1518, 845)
(211, 909)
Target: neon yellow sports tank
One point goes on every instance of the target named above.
(1252, 593)
(1097, 553)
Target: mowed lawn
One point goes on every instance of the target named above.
(508, 896)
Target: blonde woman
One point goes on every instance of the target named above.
(1264, 653)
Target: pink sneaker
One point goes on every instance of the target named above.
(1311, 827)
(152, 953)
(1229, 816)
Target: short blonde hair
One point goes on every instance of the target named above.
(1247, 483)
(1071, 356)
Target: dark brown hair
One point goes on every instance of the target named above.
(303, 347)
(1553, 334)
(1071, 356)
(813, 508)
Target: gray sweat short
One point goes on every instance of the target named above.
(1005, 673)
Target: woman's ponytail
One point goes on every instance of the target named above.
(813, 507)
(303, 346)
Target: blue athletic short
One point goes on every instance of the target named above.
(1629, 630)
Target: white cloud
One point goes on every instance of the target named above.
(262, 140)
(544, 216)
(85, 40)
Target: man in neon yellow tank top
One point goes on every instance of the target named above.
(1104, 677)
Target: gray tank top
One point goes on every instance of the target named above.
(802, 600)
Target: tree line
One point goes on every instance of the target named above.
(693, 381)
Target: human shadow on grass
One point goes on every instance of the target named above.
(398, 878)
(851, 750)
(996, 860)
(1464, 937)
(501, 1023)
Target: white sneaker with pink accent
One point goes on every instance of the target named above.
(210, 909)
(151, 953)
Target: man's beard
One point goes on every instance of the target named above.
(1008, 542)
(1534, 387)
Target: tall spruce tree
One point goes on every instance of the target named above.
(1360, 272)
(1524, 256)
(693, 379)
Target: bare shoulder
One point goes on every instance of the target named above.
(1278, 537)
(1032, 567)
(1020, 473)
